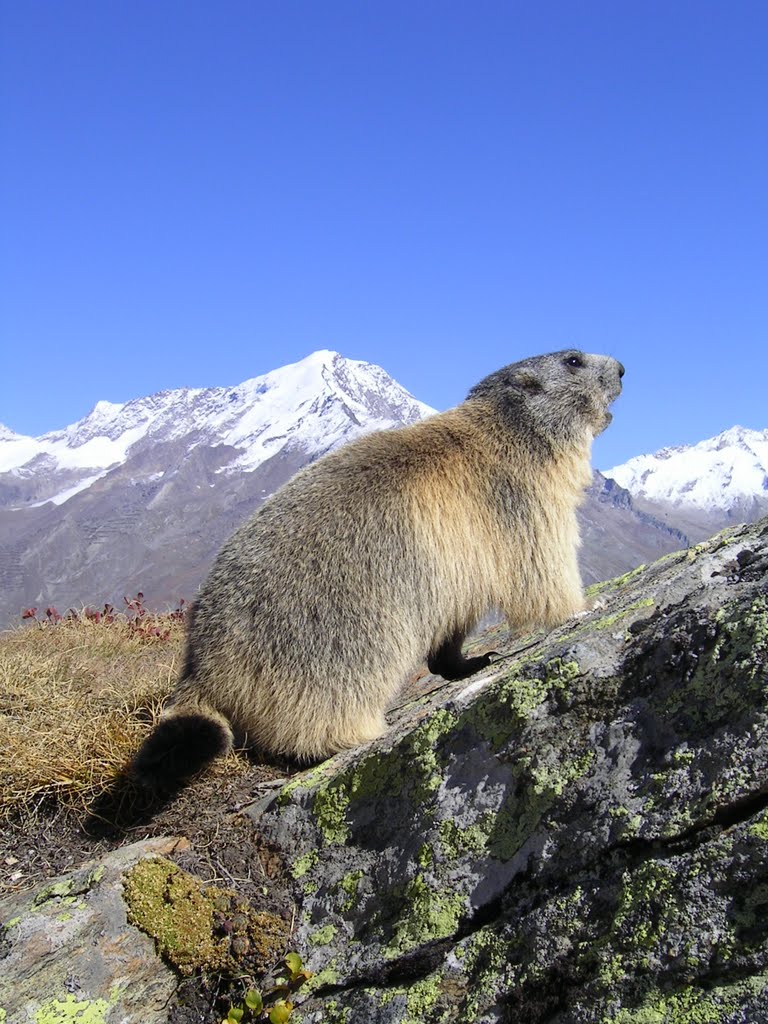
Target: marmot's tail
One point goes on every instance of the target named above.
(184, 741)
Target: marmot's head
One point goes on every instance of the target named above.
(562, 397)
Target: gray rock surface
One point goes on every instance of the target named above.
(69, 956)
(578, 835)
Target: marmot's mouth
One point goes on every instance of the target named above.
(604, 422)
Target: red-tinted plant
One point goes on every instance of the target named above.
(138, 618)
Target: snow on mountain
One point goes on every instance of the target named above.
(716, 475)
(15, 449)
(6, 434)
(314, 404)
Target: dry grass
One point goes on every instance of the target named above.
(76, 699)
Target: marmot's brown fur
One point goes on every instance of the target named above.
(380, 554)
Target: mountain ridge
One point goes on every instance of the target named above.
(704, 487)
(140, 495)
(259, 416)
(711, 475)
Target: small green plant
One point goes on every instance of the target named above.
(276, 1003)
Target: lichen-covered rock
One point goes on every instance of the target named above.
(107, 944)
(69, 956)
(577, 836)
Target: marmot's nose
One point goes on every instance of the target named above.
(621, 369)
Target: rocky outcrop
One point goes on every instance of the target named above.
(578, 835)
(68, 953)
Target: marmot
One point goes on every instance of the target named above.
(384, 552)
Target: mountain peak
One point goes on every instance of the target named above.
(742, 436)
(105, 410)
(325, 356)
(310, 406)
(6, 434)
(715, 475)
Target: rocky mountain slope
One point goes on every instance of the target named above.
(577, 834)
(617, 535)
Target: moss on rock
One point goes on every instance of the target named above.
(589, 811)
(413, 764)
(196, 927)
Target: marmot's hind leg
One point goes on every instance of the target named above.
(326, 742)
(448, 661)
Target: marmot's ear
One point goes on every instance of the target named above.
(528, 381)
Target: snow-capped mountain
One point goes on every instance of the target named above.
(313, 405)
(724, 476)
(141, 495)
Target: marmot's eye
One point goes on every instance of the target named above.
(574, 361)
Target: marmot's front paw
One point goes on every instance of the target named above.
(595, 605)
(469, 666)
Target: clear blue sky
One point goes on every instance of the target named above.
(196, 192)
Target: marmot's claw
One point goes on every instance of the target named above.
(592, 606)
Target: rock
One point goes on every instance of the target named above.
(577, 835)
(69, 956)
